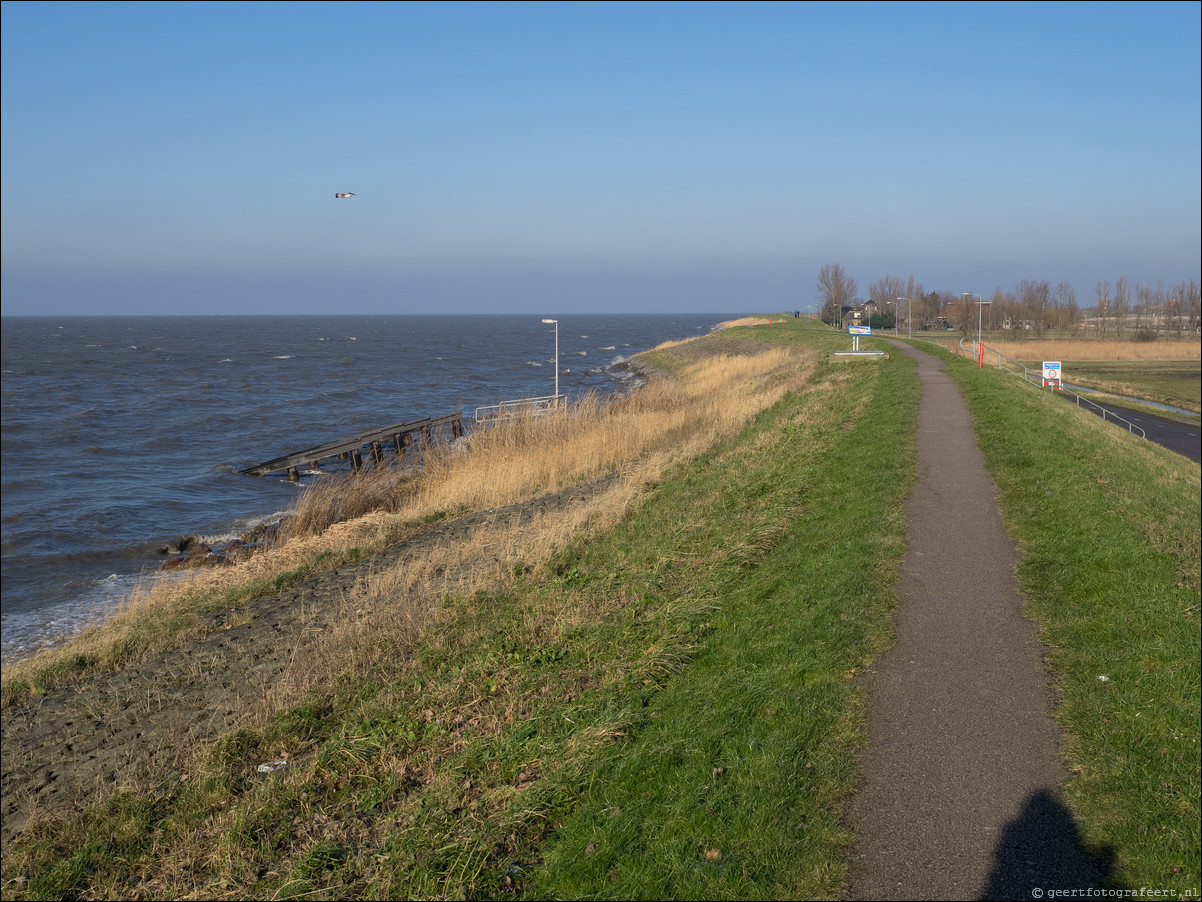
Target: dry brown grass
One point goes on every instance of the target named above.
(749, 321)
(1076, 350)
(523, 456)
(385, 613)
(347, 497)
(637, 436)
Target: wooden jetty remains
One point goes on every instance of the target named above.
(401, 437)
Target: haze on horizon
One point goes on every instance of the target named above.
(588, 157)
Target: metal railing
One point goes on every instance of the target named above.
(1035, 377)
(520, 407)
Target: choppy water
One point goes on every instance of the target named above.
(123, 433)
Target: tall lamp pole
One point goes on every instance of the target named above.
(556, 323)
(909, 326)
(980, 307)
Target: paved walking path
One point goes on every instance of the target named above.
(963, 777)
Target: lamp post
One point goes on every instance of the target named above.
(980, 307)
(556, 324)
(909, 326)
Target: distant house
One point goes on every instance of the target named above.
(850, 314)
(1027, 324)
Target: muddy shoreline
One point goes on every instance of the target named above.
(70, 747)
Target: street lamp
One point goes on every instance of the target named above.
(909, 326)
(980, 307)
(556, 323)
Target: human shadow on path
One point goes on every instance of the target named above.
(1042, 850)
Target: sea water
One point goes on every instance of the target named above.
(121, 434)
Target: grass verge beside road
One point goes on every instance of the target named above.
(734, 784)
(1174, 382)
(1109, 528)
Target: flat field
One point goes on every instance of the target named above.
(1166, 372)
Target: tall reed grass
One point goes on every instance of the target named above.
(517, 457)
(636, 436)
(1077, 350)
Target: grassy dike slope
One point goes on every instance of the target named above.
(1109, 528)
(734, 785)
(664, 709)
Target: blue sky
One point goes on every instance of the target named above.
(588, 157)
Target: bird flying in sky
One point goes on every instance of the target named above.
(344, 194)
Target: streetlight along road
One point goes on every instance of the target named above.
(980, 307)
(556, 322)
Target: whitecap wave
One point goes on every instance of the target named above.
(26, 632)
(239, 528)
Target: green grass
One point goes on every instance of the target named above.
(734, 785)
(677, 685)
(667, 710)
(1109, 529)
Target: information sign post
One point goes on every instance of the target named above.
(855, 332)
(1051, 374)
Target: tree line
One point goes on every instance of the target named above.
(1119, 310)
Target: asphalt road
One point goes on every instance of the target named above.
(1184, 438)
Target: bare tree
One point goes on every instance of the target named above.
(1191, 305)
(914, 293)
(1005, 307)
(1143, 306)
(1037, 297)
(914, 289)
(962, 314)
(1122, 306)
(884, 293)
(886, 289)
(928, 308)
(1067, 314)
(835, 290)
(1103, 307)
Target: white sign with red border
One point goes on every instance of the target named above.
(1051, 373)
